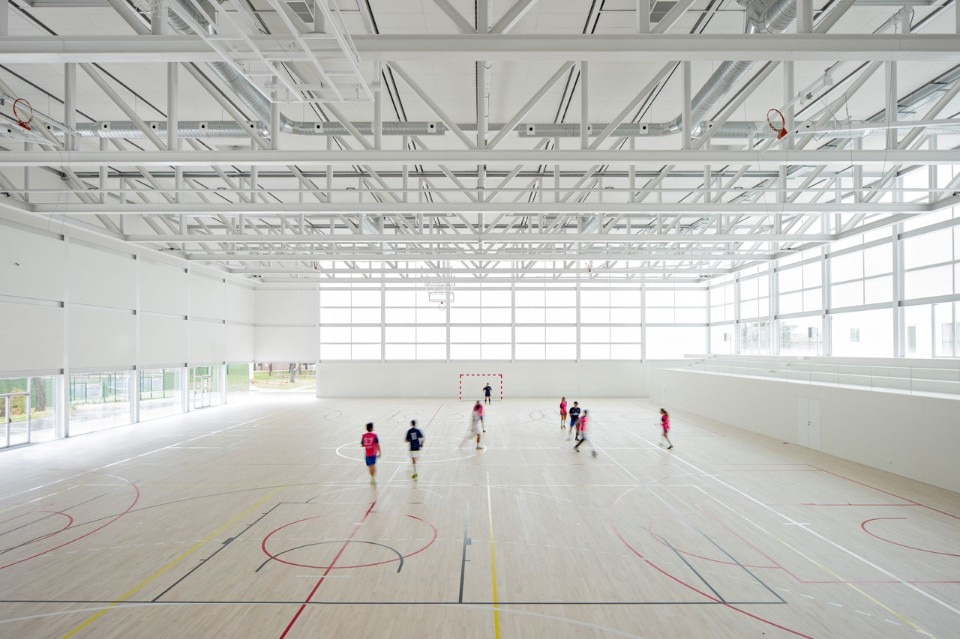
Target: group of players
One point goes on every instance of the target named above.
(579, 421)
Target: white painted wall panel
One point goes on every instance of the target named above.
(913, 436)
(42, 264)
(31, 337)
(294, 344)
(207, 342)
(101, 278)
(101, 339)
(520, 379)
(239, 346)
(241, 303)
(208, 297)
(287, 307)
(163, 340)
(163, 289)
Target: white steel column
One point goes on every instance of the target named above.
(643, 322)
(4, 17)
(69, 104)
(899, 330)
(158, 18)
(584, 106)
(104, 144)
(891, 111)
(687, 107)
(804, 16)
(789, 92)
(173, 112)
(378, 107)
(643, 17)
(63, 408)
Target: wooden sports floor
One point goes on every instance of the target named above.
(258, 520)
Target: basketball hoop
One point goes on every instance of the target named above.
(781, 129)
(23, 113)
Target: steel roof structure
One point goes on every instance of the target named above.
(370, 141)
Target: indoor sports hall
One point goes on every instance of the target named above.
(479, 318)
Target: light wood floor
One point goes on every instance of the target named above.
(258, 520)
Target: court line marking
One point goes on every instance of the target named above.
(94, 470)
(346, 543)
(565, 620)
(821, 537)
(493, 563)
(173, 562)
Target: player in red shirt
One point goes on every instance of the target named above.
(665, 425)
(563, 413)
(476, 424)
(371, 448)
(582, 430)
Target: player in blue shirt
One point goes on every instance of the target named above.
(415, 438)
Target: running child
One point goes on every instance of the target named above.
(665, 425)
(582, 432)
(371, 446)
(415, 438)
(563, 413)
(574, 418)
(478, 415)
(476, 424)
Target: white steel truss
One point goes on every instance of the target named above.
(384, 170)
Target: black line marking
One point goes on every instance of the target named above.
(683, 558)
(742, 567)
(466, 542)
(51, 514)
(334, 541)
(212, 555)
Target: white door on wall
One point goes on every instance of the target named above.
(808, 422)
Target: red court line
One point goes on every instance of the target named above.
(859, 582)
(887, 492)
(263, 547)
(41, 537)
(327, 571)
(613, 521)
(136, 499)
(863, 525)
(870, 505)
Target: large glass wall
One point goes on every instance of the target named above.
(205, 387)
(534, 321)
(41, 425)
(239, 377)
(99, 400)
(890, 292)
(161, 392)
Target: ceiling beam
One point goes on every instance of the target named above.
(393, 158)
(698, 208)
(132, 49)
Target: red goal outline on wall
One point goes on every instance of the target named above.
(499, 376)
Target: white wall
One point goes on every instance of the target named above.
(75, 300)
(520, 379)
(912, 436)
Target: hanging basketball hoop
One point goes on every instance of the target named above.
(23, 113)
(781, 129)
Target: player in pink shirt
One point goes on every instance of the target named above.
(582, 424)
(476, 424)
(665, 425)
(563, 413)
(371, 449)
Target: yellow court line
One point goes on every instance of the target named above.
(493, 568)
(173, 562)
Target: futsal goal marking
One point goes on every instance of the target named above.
(496, 377)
